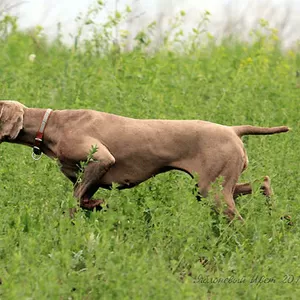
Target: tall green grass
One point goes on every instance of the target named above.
(155, 241)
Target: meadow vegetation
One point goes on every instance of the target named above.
(154, 241)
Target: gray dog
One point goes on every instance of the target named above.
(130, 150)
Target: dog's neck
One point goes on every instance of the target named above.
(31, 124)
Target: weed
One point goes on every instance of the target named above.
(155, 241)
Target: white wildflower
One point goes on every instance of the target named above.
(32, 57)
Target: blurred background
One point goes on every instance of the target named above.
(226, 16)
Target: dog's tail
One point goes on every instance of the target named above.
(254, 130)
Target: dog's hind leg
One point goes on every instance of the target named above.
(230, 174)
(225, 195)
(231, 210)
(246, 188)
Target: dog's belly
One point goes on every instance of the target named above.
(127, 176)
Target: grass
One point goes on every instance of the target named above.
(155, 241)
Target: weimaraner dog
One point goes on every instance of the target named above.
(131, 150)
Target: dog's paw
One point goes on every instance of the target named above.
(267, 190)
(93, 204)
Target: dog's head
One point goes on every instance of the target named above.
(11, 119)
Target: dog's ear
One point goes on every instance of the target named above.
(11, 119)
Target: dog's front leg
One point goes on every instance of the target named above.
(89, 182)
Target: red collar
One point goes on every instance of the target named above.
(36, 151)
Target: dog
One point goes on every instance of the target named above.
(130, 151)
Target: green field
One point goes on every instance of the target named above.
(155, 241)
